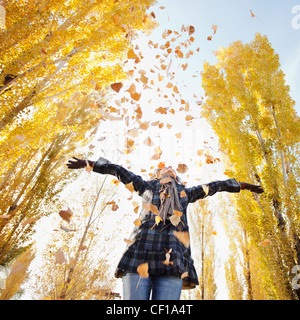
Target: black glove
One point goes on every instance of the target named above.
(251, 187)
(79, 163)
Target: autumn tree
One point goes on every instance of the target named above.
(203, 233)
(249, 107)
(54, 48)
(54, 70)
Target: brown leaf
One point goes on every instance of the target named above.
(59, 257)
(117, 86)
(66, 214)
(165, 180)
(191, 30)
(175, 220)
(215, 28)
(182, 168)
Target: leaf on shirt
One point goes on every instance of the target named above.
(184, 275)
(182, 194)
(205, 189)
(150, 207)
(158, 219)
(168, 257)
(88, 168)
(183, 237)
(142, 270)
(175, 220)
(165, 180)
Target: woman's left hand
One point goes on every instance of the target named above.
(251, 187)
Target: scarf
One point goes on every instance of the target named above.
(168, 198)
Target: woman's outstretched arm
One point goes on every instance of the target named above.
(104, 166)
(229, 185)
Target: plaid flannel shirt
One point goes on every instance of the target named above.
(151, 242)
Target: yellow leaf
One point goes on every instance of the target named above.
(129, 186)
(137, 222)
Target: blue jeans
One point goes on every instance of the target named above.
(162, 287)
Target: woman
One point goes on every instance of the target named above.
(159, 245)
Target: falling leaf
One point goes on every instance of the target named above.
(66, 215)
(264, 243)
(59, 257)
(142, 270)
(129, 186)
(144, 125)
(183, 237)
(191, 30)
(117, 86)
(214, 27)
(252, 14)
(135, 96)
(138, 222)
(214, 233)
(182, 168)
(200, 152)
(209, 38)
(161, 110)
(205, 189)
(148, 142)
(161, 165)
(116, 19)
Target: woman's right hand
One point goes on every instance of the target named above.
(79, 163)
